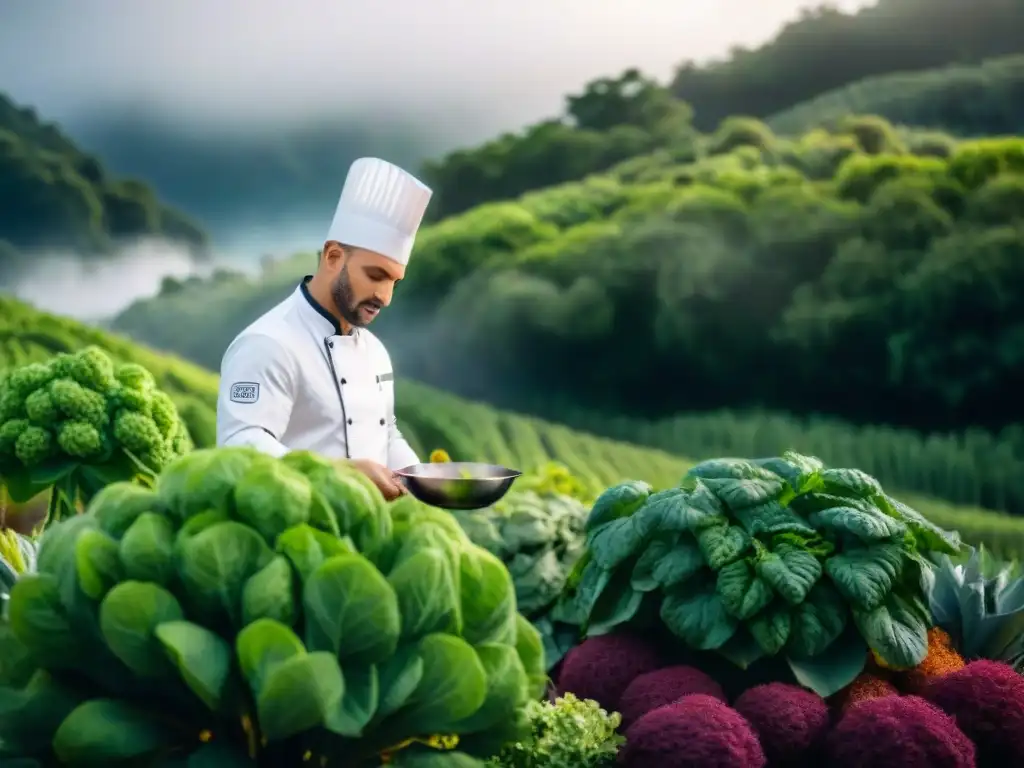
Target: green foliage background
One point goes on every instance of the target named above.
(767, 253)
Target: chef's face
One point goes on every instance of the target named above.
(363, 285)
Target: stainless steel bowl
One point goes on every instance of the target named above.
(458, 484)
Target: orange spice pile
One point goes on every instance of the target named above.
(878, 679)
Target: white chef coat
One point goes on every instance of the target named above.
(293, 381)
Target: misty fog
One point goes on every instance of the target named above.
(243, 66)
(96, 289)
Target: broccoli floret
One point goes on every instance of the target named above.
(79, 439)
(127, 398)
(182, 443)
(164, 414)
(33, 446)
(78, 403)
(134, 376)
(136, 432)
(12, 404)
(10, 431)
(92, 368)
(62, 365)
(27, 379)
(41, 409)
(157, 457)
(135, 389)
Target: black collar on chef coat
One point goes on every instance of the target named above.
(319, 309)
(335, 327)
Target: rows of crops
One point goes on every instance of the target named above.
(470, 431)
(975, 468)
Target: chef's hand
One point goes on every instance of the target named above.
(382, 477)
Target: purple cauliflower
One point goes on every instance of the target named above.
(987, 700)
(601, 667)
(904, 731)
(698, 731)
(789, 721)
(664, 686)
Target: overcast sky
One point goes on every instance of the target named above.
(258, 62)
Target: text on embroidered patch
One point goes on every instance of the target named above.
(245, 392)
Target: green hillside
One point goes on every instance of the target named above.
(428, 418)
(54, 195)
(974, 100)
(829, 273)
(826, 48)
(971, 468)
(432, 419)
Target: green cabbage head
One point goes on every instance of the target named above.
(261, 611)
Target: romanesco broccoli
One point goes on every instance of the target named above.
(84, 407)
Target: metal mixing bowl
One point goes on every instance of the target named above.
(458, 484)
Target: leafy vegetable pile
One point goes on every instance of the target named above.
(539, 537)
(250, 610)
(774, 557)
(78, 422)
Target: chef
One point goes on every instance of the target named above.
(308, 375)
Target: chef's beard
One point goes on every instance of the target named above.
(345, 301)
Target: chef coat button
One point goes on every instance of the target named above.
(330, 344)
(343, 381)
(350, 421)
(382, 422)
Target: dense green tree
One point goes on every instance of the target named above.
(53, 195)
(612, 120)
(826, 49)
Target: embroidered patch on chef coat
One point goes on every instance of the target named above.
(245, 392)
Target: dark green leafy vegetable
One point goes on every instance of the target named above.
(778, 556)
(539, 536)
(250, 610)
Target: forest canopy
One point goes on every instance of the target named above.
(865, 272)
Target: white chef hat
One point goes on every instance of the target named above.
(380, 209)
